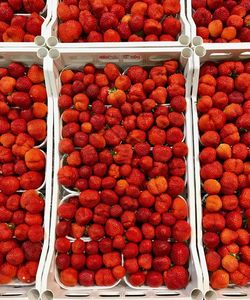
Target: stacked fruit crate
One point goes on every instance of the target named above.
(124, 149)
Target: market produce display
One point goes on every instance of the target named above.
(23, 113)
(20, 20)
(118, 20)
(224, 123)
(123, 149)
(222, 21)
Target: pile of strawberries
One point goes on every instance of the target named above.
(123, 150)
(22, 126)
(224, 124)
(118, 20)
(222, 21)
(20, 28)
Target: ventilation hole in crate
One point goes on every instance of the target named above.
(84, 60)
(110, 295)
(134, 294)
(108, 59)
(221, 55)
(77, 295)
(167, 294)
(155, 58)
(10, 294)
(132, 58)
(236, 294)
(244, 55)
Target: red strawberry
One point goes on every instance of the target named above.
(234, 220)
(86, 278)
(176, 278)
(33, 5)
(15, 256)
(6, 12)
(181, 231)
(245, 254)
(5, 232)
(32, 251)
(161, 264)
(202, 17)
(133, 234)
(130, 250)
(111, 259)
(137, 279)
(179, 254)
(113, 228)
(154, 279)
(145, 261)
(211, 239)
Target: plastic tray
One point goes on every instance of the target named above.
(39, 40)
(17, 289)
(123, 57)
(197, 40)
(201, 56)
(183, 40)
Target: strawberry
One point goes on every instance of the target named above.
(161, 248)
(154, 279)
(213, 260)
(113, 228)
(62, 245)
(137, 279)
(15, 256)
(145, 261)
(96, 232)
(179, 254)
(228, 236)
(104, 277)
(86, 278)
(130, 250)
(161, 264)
(181, 231)
(176, 278)
(111, 259)
(32, 251)
(211, 239)
(221, 13)
(133, 234)
(245, 253)
(234, 220)
(5, 232)
(69, 276)
(36, 233)
(202, 17)
(108, 20)
(6, 12)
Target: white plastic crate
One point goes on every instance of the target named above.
(17, 289)
(202, 55)
(197, 40)
(39, 40)
(123, 57)
(183, 40)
